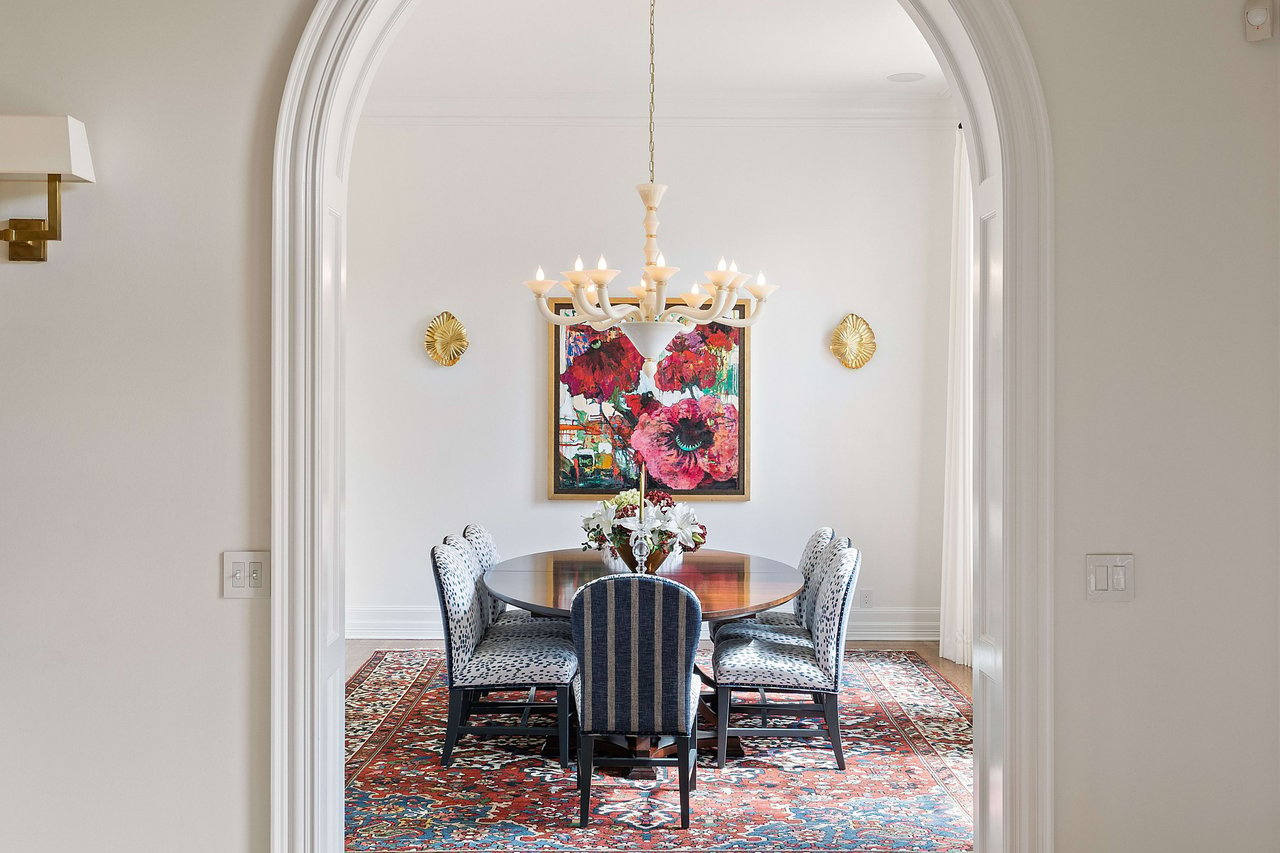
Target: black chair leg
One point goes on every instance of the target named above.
(586, 749)
(563, 713)
(723, 697)
(457, 701)
(831, 705)
(683, 748)
(764, 708)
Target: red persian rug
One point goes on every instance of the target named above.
(907, 738)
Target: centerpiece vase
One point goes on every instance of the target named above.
(656, 559)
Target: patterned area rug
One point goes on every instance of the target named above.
(908, 787)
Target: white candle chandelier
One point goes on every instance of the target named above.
(651, 324)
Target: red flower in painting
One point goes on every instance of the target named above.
(686, 368)
(606, 366)
(688, 442)
(722, 339)
(630, 408)
(640, 404)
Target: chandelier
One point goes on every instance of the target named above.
(651, 323)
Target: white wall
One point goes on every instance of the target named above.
(1166, 219)
(135, 431)
(133, 375)
(455, 217)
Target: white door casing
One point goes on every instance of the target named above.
(985, 56)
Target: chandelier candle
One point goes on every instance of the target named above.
(651, 325)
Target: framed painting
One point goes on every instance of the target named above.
(689, 423)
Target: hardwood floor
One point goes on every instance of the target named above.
(358, 651)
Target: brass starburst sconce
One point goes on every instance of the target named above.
(853, 342)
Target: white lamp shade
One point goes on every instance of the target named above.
(651, 337)
(34, 147)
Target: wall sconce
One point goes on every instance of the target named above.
(41, 148)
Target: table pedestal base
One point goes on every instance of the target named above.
(619, 746)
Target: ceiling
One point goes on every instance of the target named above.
(707, 49)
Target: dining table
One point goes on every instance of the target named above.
(728, 584)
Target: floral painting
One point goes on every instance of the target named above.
(688, 423)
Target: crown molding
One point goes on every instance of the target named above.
(800, 110)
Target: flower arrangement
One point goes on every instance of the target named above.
(620, 529)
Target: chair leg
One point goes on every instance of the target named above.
(831, 705)
(764, 708)
(457, 701)
(586, 749)
(685, 773)
(723, 697)
(563, 713)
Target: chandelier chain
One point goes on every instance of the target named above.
(652, 5)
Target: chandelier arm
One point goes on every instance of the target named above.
(744, 322)
(586, 309)
(616, 313)
(659, 298)
(557, 319)
(723, 299)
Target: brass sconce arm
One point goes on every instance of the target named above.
(27, 238)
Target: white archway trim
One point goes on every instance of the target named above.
(985, 54)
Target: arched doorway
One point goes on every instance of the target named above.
(983, 52)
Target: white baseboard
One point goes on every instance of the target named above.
(423, 623)
(894, 623)
(394, 623)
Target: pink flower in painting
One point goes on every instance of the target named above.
(689, 441)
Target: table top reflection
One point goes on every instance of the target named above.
(727, 583)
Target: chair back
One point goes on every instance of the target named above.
(635, 636)
(481, 540)
(810, 561)
(461, 605)
(486, 551)
(834, 601)
(493, 607)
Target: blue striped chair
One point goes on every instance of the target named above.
(635, 637)
(482, 657)
(806, 660)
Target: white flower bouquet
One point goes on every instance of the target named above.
(619, 528)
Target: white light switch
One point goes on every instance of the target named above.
(246, 574)
(1109, 577)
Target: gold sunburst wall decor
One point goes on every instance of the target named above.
(446, 339)
(853, 342)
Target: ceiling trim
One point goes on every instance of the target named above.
(802, 110)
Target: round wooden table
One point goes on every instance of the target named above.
(727, 583)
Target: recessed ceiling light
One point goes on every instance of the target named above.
(906, 77)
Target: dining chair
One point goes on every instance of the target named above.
(801, 606)
(635, 637)
(481, 658)
(484, 547)
(806, 661)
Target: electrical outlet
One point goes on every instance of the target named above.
(864, 599)
(246, 574)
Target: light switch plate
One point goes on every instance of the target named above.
(246, 574)
(1108, 577)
